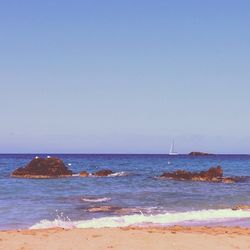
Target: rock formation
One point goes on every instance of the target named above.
(102, 173)
(199, 154)
(43, 168)
(213, 174)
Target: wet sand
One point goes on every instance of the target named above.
(176, 238)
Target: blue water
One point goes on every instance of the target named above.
(26, 202)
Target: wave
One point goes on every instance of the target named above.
(118, 174)
(92, 199)
(166, 219)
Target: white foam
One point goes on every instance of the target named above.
(96, 199)
(118, 174)
(159, 219)
(51, 224)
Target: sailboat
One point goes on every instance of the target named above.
(172, 150)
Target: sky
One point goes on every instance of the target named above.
(124, 76)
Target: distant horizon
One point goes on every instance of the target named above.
(179, 154)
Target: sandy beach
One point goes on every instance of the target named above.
(181, 238)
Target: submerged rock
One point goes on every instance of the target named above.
(241, 207)
(43, 168)
(104, 172)
(116, 210)
(213, 174)
(83, 174)
(100, 209)
(199, 154)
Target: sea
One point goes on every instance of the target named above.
(132, 196)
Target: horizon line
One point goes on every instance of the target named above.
(209, 154)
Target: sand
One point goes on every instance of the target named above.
(130, 238)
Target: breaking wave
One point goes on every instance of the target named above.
(166, 219)
(118, 174)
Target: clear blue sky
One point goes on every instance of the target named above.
(125, 76)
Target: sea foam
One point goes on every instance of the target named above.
(118, 174)
(167, 219)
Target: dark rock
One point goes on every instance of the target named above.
(213, 174)
(43, 168)
(199, 154)
(83, 174)
(105, 172)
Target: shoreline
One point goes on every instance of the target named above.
(174, 237)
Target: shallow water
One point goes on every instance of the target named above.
(133, 196)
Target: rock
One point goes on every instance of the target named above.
(123, 211)
(241, 207)
(213, 174)
(43, 168)
(100, 209)
(198, 154)
(105, 172)
(83, 174)
(116, 210)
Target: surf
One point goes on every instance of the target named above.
(165, 219)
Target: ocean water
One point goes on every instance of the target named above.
(132, 196)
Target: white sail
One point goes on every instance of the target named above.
(172, 149)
